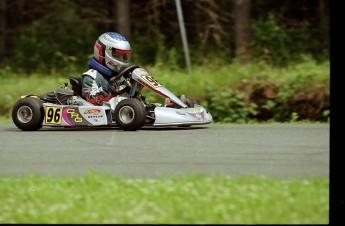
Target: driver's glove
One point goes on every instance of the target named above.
(111, 88)
(114, 88)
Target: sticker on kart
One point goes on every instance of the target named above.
(53, 115)
(72, 116)
(151, 80)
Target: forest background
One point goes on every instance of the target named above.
(252, 60)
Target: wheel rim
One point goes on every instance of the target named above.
(24, 114)
(126, 114)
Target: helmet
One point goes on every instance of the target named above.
(113, 51)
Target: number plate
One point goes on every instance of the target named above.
(53, 115)
(151, 80)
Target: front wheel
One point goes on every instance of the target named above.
(130, 114)
(27, 114)
(190, 101)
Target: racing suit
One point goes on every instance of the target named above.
(95, 86)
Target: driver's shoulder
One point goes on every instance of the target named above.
(92, 73)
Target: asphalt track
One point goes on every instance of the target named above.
(274, 150)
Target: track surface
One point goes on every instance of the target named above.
(277, 150)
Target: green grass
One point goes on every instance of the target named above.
(14, 86)
(196, 84)
(193, 199)
(5, 119)
(210, 85)
(233, 75)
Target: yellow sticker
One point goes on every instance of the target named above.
(74, 115)
(53, 115)
(151, 80)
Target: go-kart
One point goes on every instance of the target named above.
(66, 107)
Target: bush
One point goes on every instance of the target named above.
(227, 106)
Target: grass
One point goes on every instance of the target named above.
(218, 77)
(12, 87)
(5, 119)
(192, 199)
(201, 81)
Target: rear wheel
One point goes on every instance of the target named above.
(27, 114)
(130, 114)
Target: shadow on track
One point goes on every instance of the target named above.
(103, 128)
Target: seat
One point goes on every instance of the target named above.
(76, 85)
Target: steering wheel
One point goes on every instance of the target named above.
(123, 72)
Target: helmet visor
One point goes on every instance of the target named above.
(121, 55)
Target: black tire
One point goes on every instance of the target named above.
(130, 114)
(28, 114)
(190, 101)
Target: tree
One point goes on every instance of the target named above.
(120, 13)
(58, 31)
(324, 18)
(2, 31)
(242, 30)
(209, 23)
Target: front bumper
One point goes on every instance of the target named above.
(165, 116)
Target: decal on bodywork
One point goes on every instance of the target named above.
(197, 113)
(93, 114)
(72, 116)
(53, 115)
(92, 111)
(180, 113)
(151, 80)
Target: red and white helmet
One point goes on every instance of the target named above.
(113, 51)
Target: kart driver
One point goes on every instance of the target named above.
(111, 55)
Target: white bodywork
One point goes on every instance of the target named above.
(183, 116)
(82, 113)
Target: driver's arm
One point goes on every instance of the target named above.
(95, 90)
